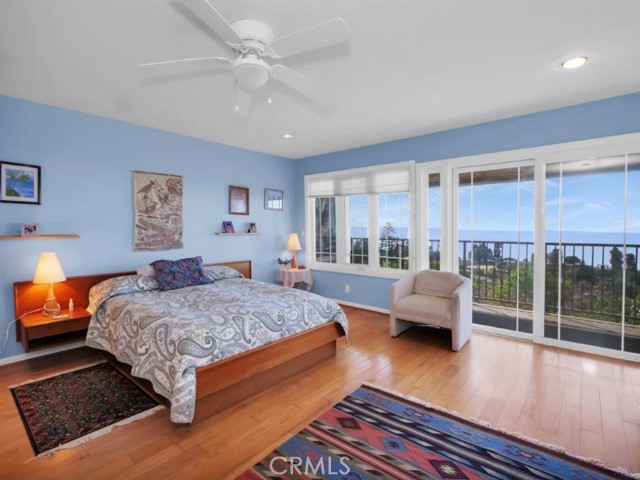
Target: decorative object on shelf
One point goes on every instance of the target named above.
(227, 227)
(29, 230)
(20, 183)
(238, 200)
(273, 199)
(293, 244)
(253, 228)
(49, 271)
(158, 223)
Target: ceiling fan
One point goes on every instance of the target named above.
(253, 41)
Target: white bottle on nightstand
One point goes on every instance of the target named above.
(71, 305)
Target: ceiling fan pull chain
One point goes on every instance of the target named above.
(269, 101)
(236, 108)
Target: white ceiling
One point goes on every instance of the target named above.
(412, 66)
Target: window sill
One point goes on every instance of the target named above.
(360, 270)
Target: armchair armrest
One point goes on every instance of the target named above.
(401, 288)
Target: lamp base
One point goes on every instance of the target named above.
(51, 305)
(294, 264)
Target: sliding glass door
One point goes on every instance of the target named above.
(592, 242)
(495, 243)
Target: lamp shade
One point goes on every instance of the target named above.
(48, 269)
(293, 243)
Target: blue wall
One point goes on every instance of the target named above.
(614, 116)
(87, 189)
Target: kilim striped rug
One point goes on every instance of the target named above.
(374, 434)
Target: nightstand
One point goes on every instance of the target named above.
(293, 277)
(37, 331)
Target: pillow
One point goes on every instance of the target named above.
(112, 287)
(147, 271)
(220, 272)
(180, 273)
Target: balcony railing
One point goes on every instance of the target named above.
(393, 252)
(592, 277)
(592, 274)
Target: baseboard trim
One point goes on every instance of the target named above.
(41, 353)
(363, 307)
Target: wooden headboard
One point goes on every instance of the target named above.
(27, 296)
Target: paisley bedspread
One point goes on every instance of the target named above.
(165, 335)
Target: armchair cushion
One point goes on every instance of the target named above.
(434, 310)
(436, 283)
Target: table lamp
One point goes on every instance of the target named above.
(293, 244)
(49, 271)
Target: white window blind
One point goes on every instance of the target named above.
(392, 178)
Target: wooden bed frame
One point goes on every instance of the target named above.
(226, 382)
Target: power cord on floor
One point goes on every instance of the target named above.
(6, 337)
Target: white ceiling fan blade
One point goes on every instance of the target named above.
(304, 85)
(216, 22)
(324, 34)
(186, 60)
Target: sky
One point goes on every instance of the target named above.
(592, 208)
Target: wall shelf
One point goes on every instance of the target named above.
(225, 234)
(40, 237)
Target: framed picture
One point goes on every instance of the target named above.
(238, 200)
(273, 199)
(29, 230)
(253, 228)
(157, 211)
(227, 227)
(20, 183)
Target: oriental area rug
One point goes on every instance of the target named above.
(71, 408)
(373, 434)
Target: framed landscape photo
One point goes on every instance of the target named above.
(238, 200)
(273, 199)
(19, 183)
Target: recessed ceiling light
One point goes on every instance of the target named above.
(574, 62)
(287, 136)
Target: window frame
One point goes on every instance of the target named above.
(342, 266)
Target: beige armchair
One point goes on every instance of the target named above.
(435, 298)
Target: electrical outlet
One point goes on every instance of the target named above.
(347, 289)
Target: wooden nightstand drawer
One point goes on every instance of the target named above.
(38, 331)
(47, 330)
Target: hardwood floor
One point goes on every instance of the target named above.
(590, 405)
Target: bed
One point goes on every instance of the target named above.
(261, 335)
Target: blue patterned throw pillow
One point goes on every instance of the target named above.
(172, 274)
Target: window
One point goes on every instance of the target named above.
(325, 229)
(393, 225)
(358, 229)
(361, 219)
(434, 224)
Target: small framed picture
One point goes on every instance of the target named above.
(273, 199)
(19, 183)
(253, 228)
(238, 200)
(29, 230)
(227, 227)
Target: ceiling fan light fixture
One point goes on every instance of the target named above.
(574, 62)
(287, 136)
(251, 72)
